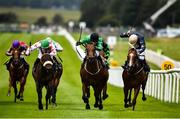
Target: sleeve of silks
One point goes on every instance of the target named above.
(107, 51)
(85, 40)
(99, 44)
(142, 43)
(33, 47)
(58, 47)
(53, 49)
(8, 53)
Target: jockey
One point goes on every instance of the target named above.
(22, 47)
(100, 46)
(137, 41)
(46, 45)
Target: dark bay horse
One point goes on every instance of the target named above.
(93, 74)
(43, 76)
(133, 77)
(17, 73)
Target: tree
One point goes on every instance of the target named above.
(8, 18)
(57, 19)
(42, 21)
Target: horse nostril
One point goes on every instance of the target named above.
(48, 66)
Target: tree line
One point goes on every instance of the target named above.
(127, 12)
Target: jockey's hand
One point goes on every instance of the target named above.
(78, 43)
(27, 53)
(9, 53)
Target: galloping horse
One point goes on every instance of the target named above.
(93, 74)
(133, 77)
(43, 76)
(17, 73)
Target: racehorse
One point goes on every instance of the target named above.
(133, 77)
(93, 74)
(17, 73)
(43, 75)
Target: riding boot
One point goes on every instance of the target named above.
(8, 63)
(35, 64)
(57, 64)
(125, 65)
(103, 62)
(146, 66)
(107, 64)
(26, 65)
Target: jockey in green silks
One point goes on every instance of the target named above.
(100, 46)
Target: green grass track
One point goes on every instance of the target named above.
(70, 104)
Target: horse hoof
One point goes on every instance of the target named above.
(100, 107)
(85, 99)
(21, 99)
(18, 97)
(54, 104)
(87, 106)
(96, 105)
(105, 96)
(40, 107)
(9, 94)
(126, 106)
(144, 98)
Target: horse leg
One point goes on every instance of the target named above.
(125, 97)
(22, 84)
(56, 86)
(39, 91)
(10, 85)
(129, 98)
(15, 90)
(136, 92)
(96, 94)
(105, 95)
(48, 95)
(100, 101)
(85, 89)
(143, 89)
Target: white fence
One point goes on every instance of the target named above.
(164, 85)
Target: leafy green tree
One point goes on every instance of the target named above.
(8, 18)
(42, 21)
(57, 19)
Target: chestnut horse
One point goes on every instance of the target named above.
(17, 73)
(93, 74)
(133, 77)
(43, 76)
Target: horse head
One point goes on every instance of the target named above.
(132, 59)
(92, 63)
(46, 61)
(16, 57)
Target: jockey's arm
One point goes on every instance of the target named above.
(58, 47)
(9, 53)
(85, 40)
(33, 47)
(53, 49)
(142, 44)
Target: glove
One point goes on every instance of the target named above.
(78, 43)
(122, 35)
(27, 52)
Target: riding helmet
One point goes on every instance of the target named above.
(16, 44)
(133, 39)
(94, 37)
(45, 44)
